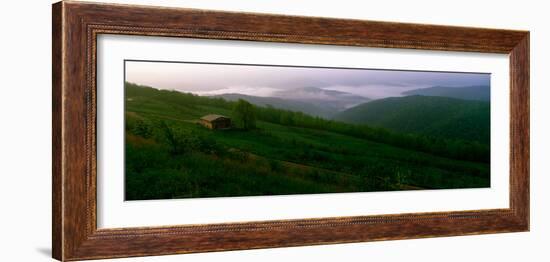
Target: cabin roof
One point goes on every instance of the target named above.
(213, 117)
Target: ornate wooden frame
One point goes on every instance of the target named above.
(76, 26)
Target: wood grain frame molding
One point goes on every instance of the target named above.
(76, 26)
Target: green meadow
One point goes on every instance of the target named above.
(168, 154)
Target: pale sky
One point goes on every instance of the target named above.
(215, 79)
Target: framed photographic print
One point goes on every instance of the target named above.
(182, 130)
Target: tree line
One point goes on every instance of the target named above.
(246, 114)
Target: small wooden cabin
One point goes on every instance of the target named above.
(215, 121)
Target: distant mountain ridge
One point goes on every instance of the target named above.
(285, 104)
(430, 115)
(338, 100)
(480, 93)
(310, 100)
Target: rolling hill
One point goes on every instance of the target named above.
(481, 93)
(331, 99)
(168, 154)
(286, 104)
(309, 100)
(429, 115)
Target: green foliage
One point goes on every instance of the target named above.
(142, 129)
(453, 148)
(181, 141)
(244, 115)
(168, 155)
(442, 117)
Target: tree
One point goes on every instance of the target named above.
(244, 115)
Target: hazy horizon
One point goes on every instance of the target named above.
(269, 81)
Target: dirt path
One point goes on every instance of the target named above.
(298, 166)
(303, 167)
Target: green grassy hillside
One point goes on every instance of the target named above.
(169, 155)
(429, 115)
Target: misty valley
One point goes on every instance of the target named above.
(303, 140)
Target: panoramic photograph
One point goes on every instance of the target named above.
(199, 130)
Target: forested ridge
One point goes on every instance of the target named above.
(169, 155)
